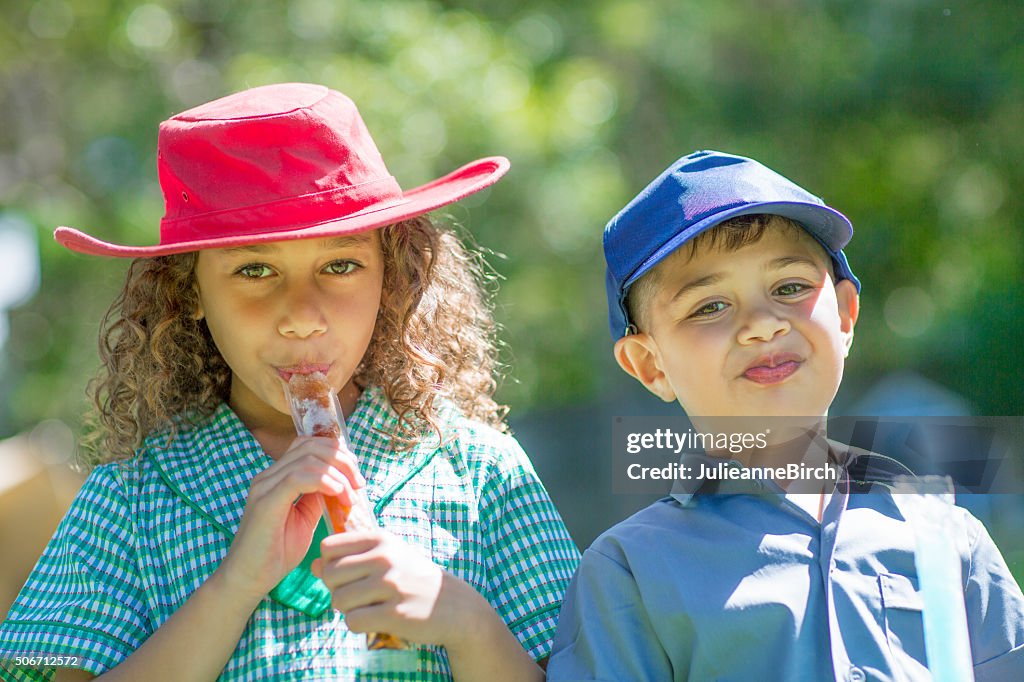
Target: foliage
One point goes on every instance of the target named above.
(904, 115)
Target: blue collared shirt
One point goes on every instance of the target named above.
(727, 581)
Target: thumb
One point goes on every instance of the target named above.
(308, 507)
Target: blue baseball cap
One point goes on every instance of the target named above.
(693, 195)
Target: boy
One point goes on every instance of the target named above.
(728, 291)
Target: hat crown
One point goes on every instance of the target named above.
(276, 143)
(696, 186)
(267, 100)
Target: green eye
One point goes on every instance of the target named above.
(791, 289)
(710, 309)
(254, 271)
(340, 267)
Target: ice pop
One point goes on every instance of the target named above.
(316, 412)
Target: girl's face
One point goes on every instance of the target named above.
(292, 306)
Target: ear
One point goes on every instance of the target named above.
(849, 309)
(638, 355)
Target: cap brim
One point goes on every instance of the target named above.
(447, 189)
(830, 227)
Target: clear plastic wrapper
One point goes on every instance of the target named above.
(316, 412)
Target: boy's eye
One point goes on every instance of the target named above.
(791, 289)
(254, 271)
(710, 309)
(340, 267)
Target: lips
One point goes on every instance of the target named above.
(773, 368)
(303, 368)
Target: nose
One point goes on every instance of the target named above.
(301, 311)
(762, 324)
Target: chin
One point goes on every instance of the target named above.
(783, 408)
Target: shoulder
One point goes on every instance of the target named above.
(481, 448)
(162, 450)
(105, 488)
(469, 444)
(642, 534)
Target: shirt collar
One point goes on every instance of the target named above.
(858, 470)
(685, 489)
(211, 464)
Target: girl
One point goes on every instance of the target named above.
(194, 550)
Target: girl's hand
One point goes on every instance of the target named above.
(281, 514)
(382, 584)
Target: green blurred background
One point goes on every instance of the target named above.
(904, 114)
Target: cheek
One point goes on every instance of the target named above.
(371, 299)
(823, 315)
(693, 355)
(222, 339)
(361, 313)
(229, 327)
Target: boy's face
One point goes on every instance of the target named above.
(302, 305)
(759, 331)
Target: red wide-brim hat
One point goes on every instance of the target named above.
(278, 162)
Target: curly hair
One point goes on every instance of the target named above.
(435, 338)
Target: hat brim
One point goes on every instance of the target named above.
(447, 189)
(828, 226)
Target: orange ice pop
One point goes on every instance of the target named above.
(316, 412)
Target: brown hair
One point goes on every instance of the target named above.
(434, 338)
(731, 235)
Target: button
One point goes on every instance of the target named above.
(856, 674)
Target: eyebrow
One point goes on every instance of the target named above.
(333, 243)
(785, 261)
(705, 281)
(716, 277)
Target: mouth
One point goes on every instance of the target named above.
(773, 368)
(303, 368)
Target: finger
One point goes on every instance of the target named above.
(363, 593)
(307, 468)
(349, 543)
(325, 450)
(379, 617)
(282, 490)
(348, 570)
(333, 452)
(308, 506)
(344, 460)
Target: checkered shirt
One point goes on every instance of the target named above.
(143, 534)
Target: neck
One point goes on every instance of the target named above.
(804, 445)
(348, 396)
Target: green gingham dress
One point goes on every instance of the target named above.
(144, 534)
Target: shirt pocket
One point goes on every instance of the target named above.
(434, 526)
(902, 614)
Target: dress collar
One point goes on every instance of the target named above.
(210, 465)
